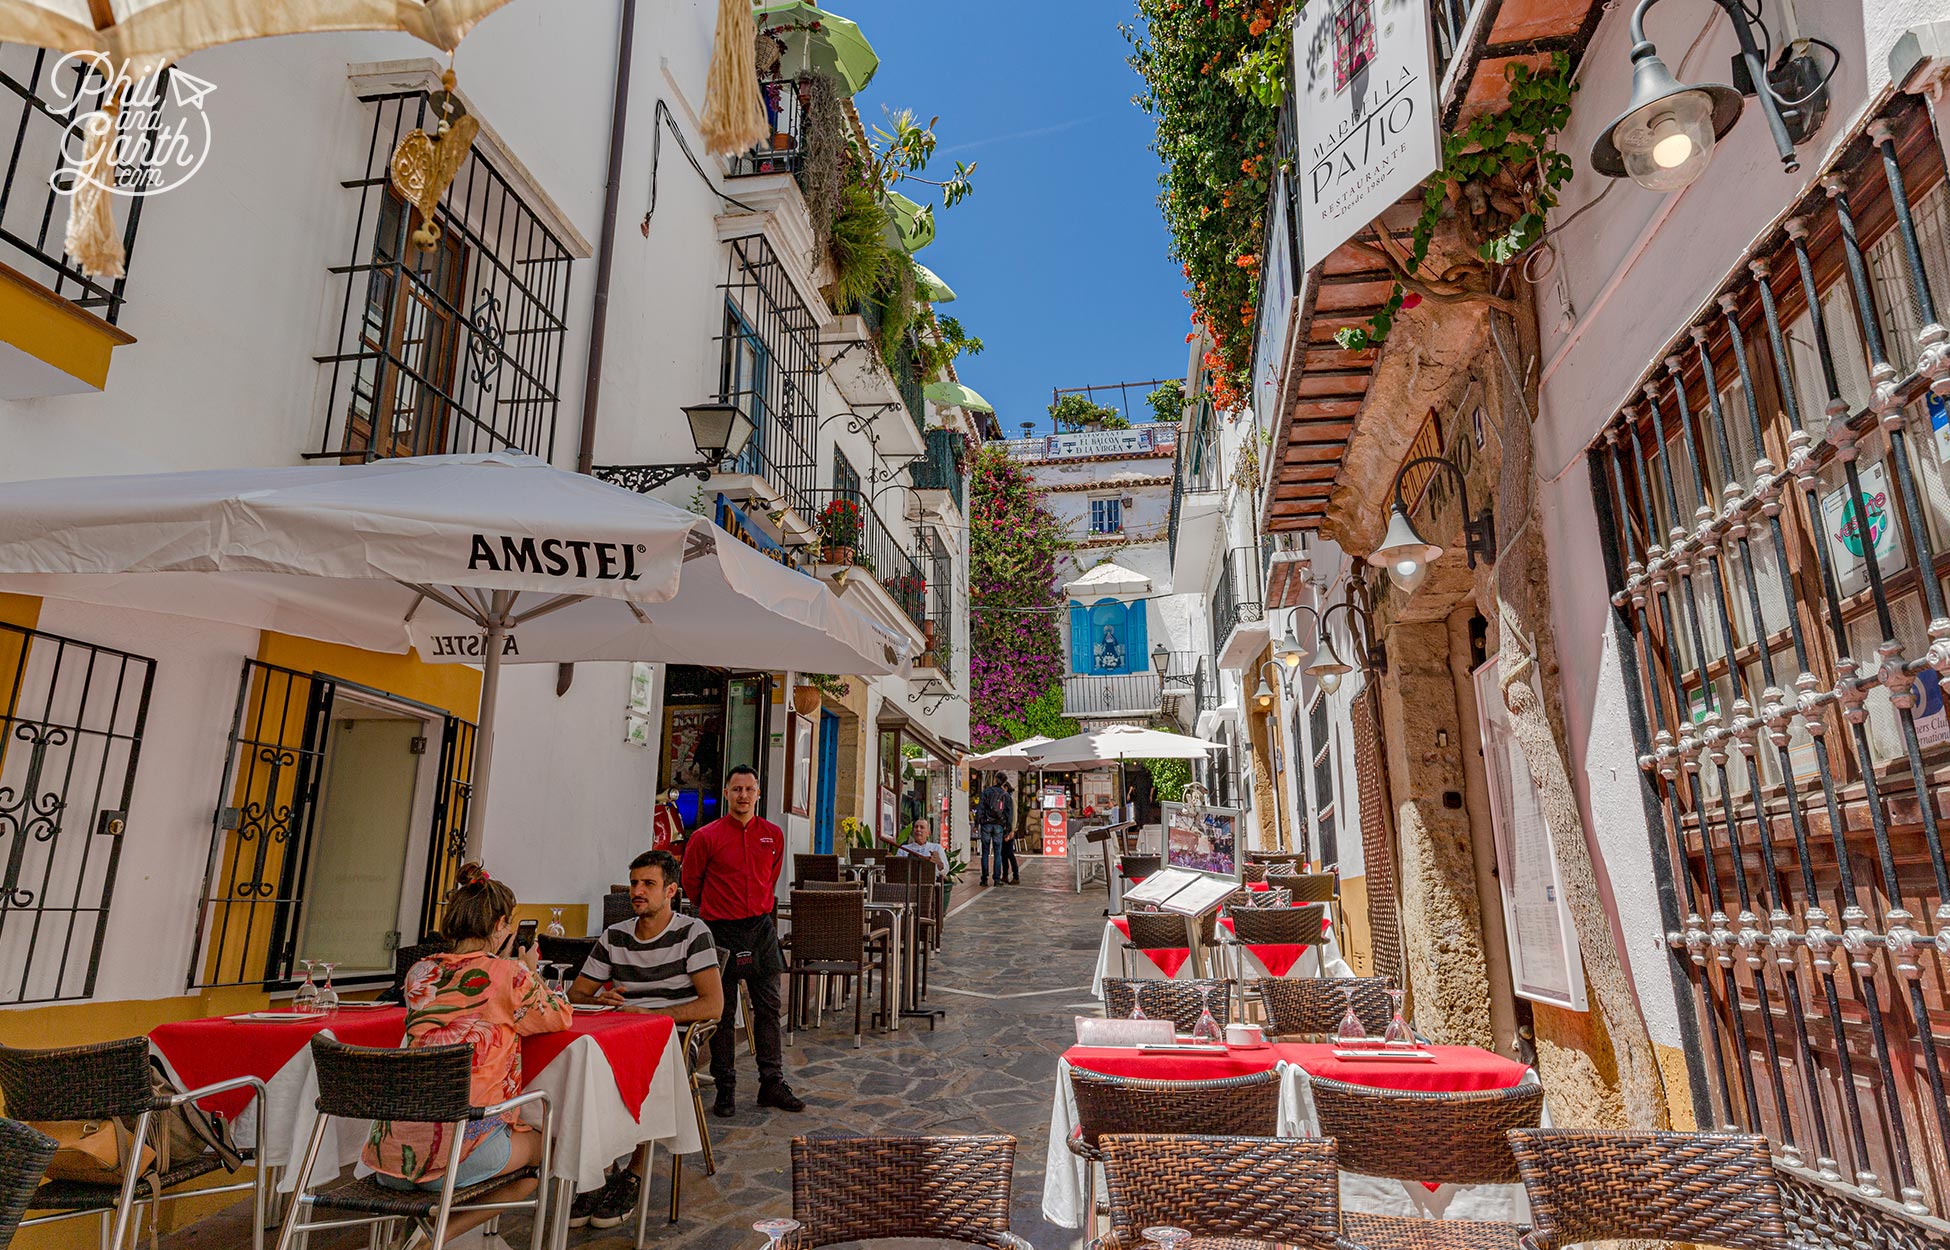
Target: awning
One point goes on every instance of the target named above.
(911, 728)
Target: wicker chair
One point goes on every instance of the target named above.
(565, 950)
(111, 1081)
(1162, 931)
(1716, 1189)
(829, 939)
(697, 1043)
(405, 957)
(829, 887)
(814, 868)
(1283, 1191)
(1179, 1001)
(954, 1189)
(427, 1084)
(1252, 874)
(1276, 926)
(616, 907)
(914, 899)
(1315, 1005)
(1239, 1106)
(1136, 868)
(24, 1153)
(926, 878)
(1456, 1139)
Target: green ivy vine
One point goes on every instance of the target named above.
(1518, 138)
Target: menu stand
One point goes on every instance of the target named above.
(1193, 895)
(1104, 837)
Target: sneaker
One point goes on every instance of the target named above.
(984, 881)
(583, 1207)
(726, 1105)
(615, 1201)
(779, 1094)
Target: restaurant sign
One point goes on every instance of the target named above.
(733, 521)
(1365, 132)
(1107, 443)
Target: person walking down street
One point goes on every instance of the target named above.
(996, 820)
(731, 869)
(1008, 859)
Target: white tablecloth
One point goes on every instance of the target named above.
(1110, 961)
(592, 1126)
(1063, 1174)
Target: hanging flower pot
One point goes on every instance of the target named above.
(833, 554)
(805, 699)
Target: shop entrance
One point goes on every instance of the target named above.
(713, 722)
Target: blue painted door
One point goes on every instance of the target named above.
(829, 777)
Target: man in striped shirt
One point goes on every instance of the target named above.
(659, 961)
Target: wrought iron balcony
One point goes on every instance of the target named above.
(783, 152)
(1450, 18)
(1123, 694)
(1237, 605)
(941, 468)
(849, 532)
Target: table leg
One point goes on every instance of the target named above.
(910, 998)
(561, 1198)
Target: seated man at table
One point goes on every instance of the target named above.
(922, 845)
(659, 961)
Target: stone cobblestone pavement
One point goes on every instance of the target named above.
(1014, 968)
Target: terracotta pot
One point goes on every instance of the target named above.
(838, 555)
(781, 143)
(805, 700)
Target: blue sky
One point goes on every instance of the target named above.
(1059, 257)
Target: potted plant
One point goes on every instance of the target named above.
(856, 831)
(839, 531)
(957, 865)
(805, 695)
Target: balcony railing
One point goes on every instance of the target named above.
(907, 376)
(1205, 684)
(849, 531)
(1237, 600)
(941, 469)
(1121, 694)
(1451, 21)
(783, 151)
(46, 93)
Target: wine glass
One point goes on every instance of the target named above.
(1206, 1032)
(555, 928)
(328, 998)
(1165, 1236)
(1398, 1034)
(1351, 1031)
(305, 1001)
(773, 1229)
(1137, 1002)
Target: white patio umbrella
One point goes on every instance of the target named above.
(1013, 758)
(1114, 744)
(472, 559)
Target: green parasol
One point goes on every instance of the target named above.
(819, 42)
(913, 225)
(955, 395)
(933, 289)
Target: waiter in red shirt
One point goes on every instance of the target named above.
(731, 867)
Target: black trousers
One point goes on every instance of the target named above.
(1007, 859)
(761, 980)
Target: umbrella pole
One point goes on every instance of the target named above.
(500, 602)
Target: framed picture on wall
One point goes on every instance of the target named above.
(889, 815)
(798, 764)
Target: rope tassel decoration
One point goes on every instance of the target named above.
(733, 118)
(92, 239)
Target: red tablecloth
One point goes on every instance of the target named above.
(1457, 1069)
(1169, 960)
(1279, 960)
(1130, 1061)
(204, 1052)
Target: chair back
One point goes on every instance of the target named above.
(1251, 874)
(1281, 926)
(1455, 1139)
(428, 1084)
(1283, 1191)
(1178, 1001)
(616, 907)
(1316, 1004)
(1717, 1189)
(1238, 1106)
(1138, 867)
(1309, 887)
(404, 957)
(24, 1153)
(565, 950)
(828, 926)
(1290, 859)
(829, 887)
(850, 1189)
(814, 868)
(1259, 900)
(106, 1080)
(1164, 931)
(868, 854)
(911, 870)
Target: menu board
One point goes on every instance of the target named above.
(1203, 839)
(1545, 964)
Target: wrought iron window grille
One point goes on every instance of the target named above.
(769, 366)
(454, 349)
(1805, 889)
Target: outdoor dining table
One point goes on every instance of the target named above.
(1277, 962)
(615, 1079)
(1456, 1069)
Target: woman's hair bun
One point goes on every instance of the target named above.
(471, 875)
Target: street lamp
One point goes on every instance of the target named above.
(1289, 650)
(1160, 659)
(1328, 669)
(720, 432)
(1407, 555)
(1665, 136)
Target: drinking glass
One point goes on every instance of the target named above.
(1166, 1237)
(1398, 1034)
(328, 998)
(305, 1001)
(1207, 1031)
(1351, 1030)
(774, 1229)
(555, 928)
(1137, 1002)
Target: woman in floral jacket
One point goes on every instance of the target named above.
(479, 995)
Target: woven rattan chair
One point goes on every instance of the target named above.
(925, 877)
(1178, 1001)
(573, 951)
(112, 1081)
(829, 941)
(814, 868)
(1251, 874)
(1456, 1139)
(616, 907)
(1269, 1190)
(914, 900)
(1716, 1189)
(427, 1084)
(858, 887)
(1162, 931)
(847, 1189)
(1136, 868)
(1314, 1005)
(1276, 926)
(404, 957)
(24, 1153)
(696, 1043)
(1239, 1106)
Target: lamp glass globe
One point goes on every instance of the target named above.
(1330, 681)
(1667, 144)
